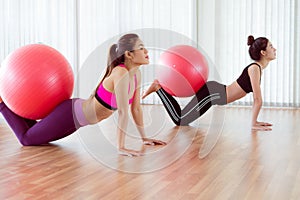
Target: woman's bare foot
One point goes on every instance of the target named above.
(152, 88)
(1, 100)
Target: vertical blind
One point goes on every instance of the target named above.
(77, 27)
(50, 22)
(278, 20)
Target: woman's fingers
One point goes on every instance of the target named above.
(154, 142)
(261, 128)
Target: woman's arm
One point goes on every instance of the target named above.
(137, 114)
(254, 73)
(121, 81)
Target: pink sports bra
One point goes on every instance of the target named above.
(107, 98)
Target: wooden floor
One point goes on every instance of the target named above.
(85, 165)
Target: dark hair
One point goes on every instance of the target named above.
(117, 52)
(256, 45)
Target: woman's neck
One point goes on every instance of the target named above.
(263, 63)
(131, 67)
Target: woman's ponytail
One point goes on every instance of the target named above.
(116, 54)
(112, 55)
(250, 40)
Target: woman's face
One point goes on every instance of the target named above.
(139, 53)
(270, 52)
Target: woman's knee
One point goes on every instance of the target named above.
(25, 142)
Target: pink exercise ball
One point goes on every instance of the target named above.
(182, 70)
(34, 79)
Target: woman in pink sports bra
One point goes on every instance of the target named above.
(119, 88)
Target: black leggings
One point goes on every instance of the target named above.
(212, 93)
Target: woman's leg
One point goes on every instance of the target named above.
(58, 124)
(18, 124)
(212, 93)
(169, 102)
(171, 105)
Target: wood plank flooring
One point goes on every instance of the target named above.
(242, 165)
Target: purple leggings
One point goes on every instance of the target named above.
(61, 122)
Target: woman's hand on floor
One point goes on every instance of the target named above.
(153, 142)
(129, 152)
(262, 126)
